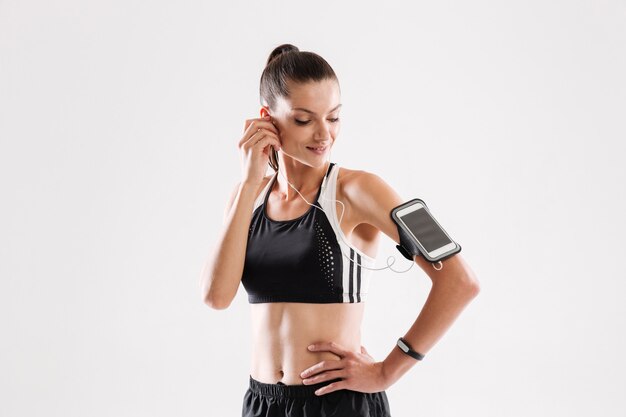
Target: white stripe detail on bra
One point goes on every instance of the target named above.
(351, 270)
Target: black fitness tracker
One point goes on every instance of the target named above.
(404, 346)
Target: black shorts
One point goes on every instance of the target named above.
(280, 400)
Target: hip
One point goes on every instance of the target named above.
(269, 400)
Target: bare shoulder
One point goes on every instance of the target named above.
(371, 199)
(366, 188)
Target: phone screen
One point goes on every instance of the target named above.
(425, 229)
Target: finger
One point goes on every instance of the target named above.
(326, 376)
(260, 135)
(267, 140)
(261, 132)
(248, 122)
(335, 386)
(322, 366)
(249, 134)
(331, 347)
(267, 124)
(254, 124)
(264, 134)
(364, 351)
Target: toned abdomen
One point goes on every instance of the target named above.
(281, 333)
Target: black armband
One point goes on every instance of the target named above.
(407, 247)
(420, 224)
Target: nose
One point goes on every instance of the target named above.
(323, 133)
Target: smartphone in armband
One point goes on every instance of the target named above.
(424, 231)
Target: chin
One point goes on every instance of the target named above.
(320, 161)
(313, 161)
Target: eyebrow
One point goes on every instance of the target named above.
(309, 111)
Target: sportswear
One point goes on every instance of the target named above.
(300, 260)
(280, 400)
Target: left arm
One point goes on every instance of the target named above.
(453, 287)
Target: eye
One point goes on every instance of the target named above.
(304, 122)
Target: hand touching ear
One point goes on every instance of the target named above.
(259, 135)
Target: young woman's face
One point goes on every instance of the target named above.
(309, 118)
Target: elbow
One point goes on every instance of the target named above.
(471, 285)
(216, 304)
(210, 296)
(215, 301)
(464, 285)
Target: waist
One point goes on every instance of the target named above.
(287, 391)
(282, 333)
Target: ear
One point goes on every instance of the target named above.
(264, 111)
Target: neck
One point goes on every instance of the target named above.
(304, 178)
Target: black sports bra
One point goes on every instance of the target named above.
(300, 260)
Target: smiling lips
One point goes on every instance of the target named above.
(319, 150)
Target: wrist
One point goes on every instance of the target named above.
(406, 348)
(250, 185)
(384, 380)
(396, 364)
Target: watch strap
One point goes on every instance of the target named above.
(406, 348)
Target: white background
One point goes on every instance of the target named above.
(118, 126)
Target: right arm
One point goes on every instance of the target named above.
(222, 272)
(223, 269)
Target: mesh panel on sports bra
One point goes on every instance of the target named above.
(300, 260)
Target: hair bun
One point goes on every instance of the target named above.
(281, 49)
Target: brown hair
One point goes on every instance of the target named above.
(287, 63)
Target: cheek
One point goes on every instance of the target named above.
(296, 133)
(290, 137)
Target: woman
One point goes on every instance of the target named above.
(302, 242)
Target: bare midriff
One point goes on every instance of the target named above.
(281, 333)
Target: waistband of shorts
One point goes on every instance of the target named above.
(290, 391)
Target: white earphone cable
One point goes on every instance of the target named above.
(339, 225)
